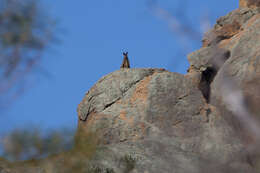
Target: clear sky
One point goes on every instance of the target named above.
(93, 35)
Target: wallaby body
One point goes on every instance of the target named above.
(125, 63)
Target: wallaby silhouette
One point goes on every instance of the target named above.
(125, 63)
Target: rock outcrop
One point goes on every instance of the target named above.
(249, 3)
(200, 122)
(229, 62)
(162, 119)
(185, 123)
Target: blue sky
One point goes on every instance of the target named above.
(93, 35)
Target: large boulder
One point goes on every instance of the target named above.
(162, 119)
(153, 120)
(203, 121)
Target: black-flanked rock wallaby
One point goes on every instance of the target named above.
(125, 63)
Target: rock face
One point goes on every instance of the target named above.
(162, 119)
(226, 65)
(204, 121)
(249, 3)
(191, 123)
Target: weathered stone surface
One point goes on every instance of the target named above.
(191, 123)
(128, 118)
(235, 57)
(163, 120)
(249, 3)
(244, 63)
(177, 123)
(110, 89)
(208, 57)
(228, 26)
(234, 88)
(242, 69)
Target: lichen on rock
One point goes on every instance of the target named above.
(184, 122)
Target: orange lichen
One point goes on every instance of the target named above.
(252, 20)
(193, 75)
(242, 3)
(249, 3)
(230, 43)
(229, 30)
(94, 118)
(141, 91)
(140, 134)
(128, 120)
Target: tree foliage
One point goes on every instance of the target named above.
(25, 32)
(25, 144)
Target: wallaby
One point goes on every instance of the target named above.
(125, 63)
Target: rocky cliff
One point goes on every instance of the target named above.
(204, 121)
